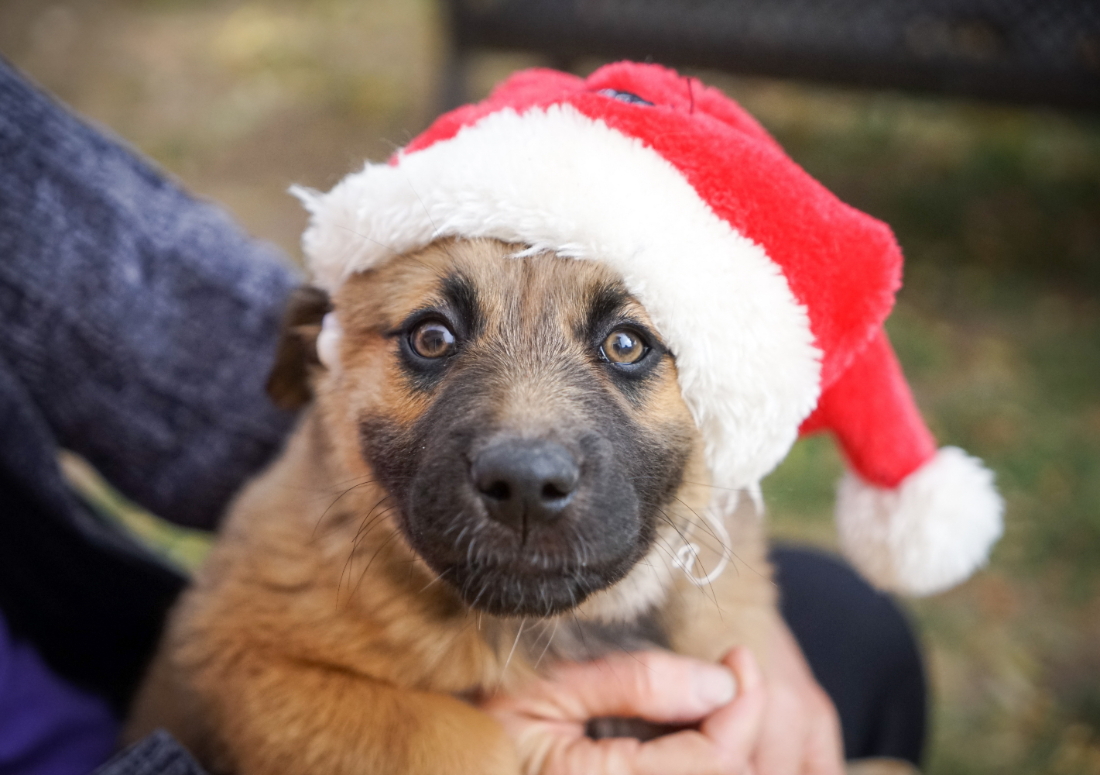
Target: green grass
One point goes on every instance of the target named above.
(1014, 652)
(180, 547)
(998, 328)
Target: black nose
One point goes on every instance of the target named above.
(525, 482)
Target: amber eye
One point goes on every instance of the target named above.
(432, 339)
(623, 347)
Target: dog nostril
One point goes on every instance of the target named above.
(498, 491)
(552, 491)
(523, 482)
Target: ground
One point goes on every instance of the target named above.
(998, 326)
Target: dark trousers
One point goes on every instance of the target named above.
(862, 652)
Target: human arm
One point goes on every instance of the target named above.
(141, 321)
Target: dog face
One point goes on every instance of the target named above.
(521, 413)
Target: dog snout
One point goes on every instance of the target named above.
(524, 483)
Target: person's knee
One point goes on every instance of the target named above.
(861, 650)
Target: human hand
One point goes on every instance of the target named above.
(800, 734)
(547, 720)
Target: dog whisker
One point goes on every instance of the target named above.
(580, 627)
(737, 557)
(698, 559)
(393, 534)
(345, 570)
(462, 534)
(481, 592)
(357, 544)
(673, 525)
(367, 518)
(662, 544)
(546, 648)
(699, 520)
(338, 499)
(508, 661)
(433, 582)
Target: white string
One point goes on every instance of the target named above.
(688, 553)
(757, 497)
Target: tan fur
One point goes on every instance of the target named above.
(315, 640)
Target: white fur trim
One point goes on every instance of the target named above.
(328, 342)
(929, 533)
(556, 180)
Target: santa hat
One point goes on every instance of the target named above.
(770, 292)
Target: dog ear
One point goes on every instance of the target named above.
(288, 383)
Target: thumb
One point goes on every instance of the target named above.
(655, 685)
(736, 727)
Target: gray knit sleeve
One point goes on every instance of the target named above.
(141, 321)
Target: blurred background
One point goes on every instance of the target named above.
(998, 326)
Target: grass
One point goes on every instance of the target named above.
(998, 326)
(182, 548)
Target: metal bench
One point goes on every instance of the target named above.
(1025, 51)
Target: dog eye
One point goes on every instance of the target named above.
(623, 347)
(432, 339)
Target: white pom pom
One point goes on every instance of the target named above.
(328, 343)
(929, 533)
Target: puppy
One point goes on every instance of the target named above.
(496, 471)
(567, 326)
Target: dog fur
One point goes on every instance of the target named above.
(329, 631)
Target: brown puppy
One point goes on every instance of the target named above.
(498, 474)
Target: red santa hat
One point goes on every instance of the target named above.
(769, 291)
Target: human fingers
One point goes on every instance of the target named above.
(546, 718)
(800, 735)
(781, 745)
(824, 745)
(735, 728)
(682, 753)
(801, 731)
(654, 685)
